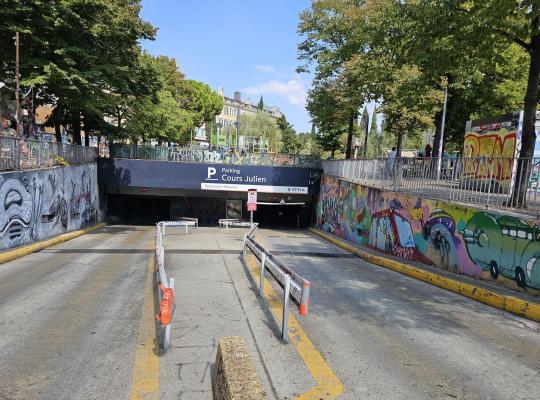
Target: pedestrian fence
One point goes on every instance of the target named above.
(294, 286)
(164, 289)
(234, 222)
(184, 221)
(488, 182)
(21, 153)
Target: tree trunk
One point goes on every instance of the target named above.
(76, 126)
(348, 151)
(160, 141)
(399, 143)
(528, 138)
(58, 132)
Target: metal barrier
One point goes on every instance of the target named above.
(21, 153)
(186, 222)
(294, 286)
(165, 291)
(234, 222)
(487, 182)
(218, 155)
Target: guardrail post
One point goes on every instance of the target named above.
(261, 282)
(285, 319)
(186, 228)
(244, 247)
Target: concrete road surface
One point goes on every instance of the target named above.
(388, 336)
(69, 317)
(70, 324)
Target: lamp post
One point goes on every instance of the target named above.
(441, 137)
(218, 132)
(237, 124)
(17, 99)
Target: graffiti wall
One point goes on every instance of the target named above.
(39, 204)
(464, 240)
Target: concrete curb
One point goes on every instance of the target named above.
(10, 255)
(507, 303)
(235, 375)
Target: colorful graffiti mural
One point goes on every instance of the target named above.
(452, 237)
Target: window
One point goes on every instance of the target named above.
(513, 233)
(504, 231)
(521, 234)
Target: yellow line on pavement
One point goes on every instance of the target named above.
(10, 255)
(145, 378)
(327, 384)
(511, 304)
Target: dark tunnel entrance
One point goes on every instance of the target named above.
(138, 210)
(283, 216)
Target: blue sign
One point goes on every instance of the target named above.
(224, 177)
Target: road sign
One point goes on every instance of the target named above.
(252, 200)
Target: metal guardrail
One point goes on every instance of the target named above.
(21, 153)
(234, 222)
(486, 182)
(184, 221)
(164, 289)
(294, 286)
(212, 155)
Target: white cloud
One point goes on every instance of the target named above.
(265, 68)
(293, 90)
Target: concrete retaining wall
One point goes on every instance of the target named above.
(484, 244)
(235, 375)
(39, 204)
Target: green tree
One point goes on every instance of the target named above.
(260, 106)
(200, 100)
(77, 54)
(291, 143)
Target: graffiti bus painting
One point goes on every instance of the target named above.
(504, 245)
(392, 233)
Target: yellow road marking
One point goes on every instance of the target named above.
(327, 384)
(10, 255)
(145, 378)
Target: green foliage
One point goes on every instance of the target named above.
(260, 106)
(79, 55)
(403, 54)
(263, 126)
(291, 143)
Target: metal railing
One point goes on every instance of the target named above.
(21, 153)
(212, 155)
(183, 221)
(294, 286)
(491, 183)
(164, 289)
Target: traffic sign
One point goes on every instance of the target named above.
(252, 200)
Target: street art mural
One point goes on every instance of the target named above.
(452, 237)
(36, 205)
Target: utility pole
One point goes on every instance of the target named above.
(441, 137)
(17, 99)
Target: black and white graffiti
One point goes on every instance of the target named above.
(36, 205)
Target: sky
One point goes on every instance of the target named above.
(249, 46)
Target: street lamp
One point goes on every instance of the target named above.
(219, 125)
(237, 124)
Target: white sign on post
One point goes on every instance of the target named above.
(252, 200)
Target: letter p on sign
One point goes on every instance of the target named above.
(211, 172)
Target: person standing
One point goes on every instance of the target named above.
(391, 161)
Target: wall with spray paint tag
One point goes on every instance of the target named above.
(493, 246)
(40, 204)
